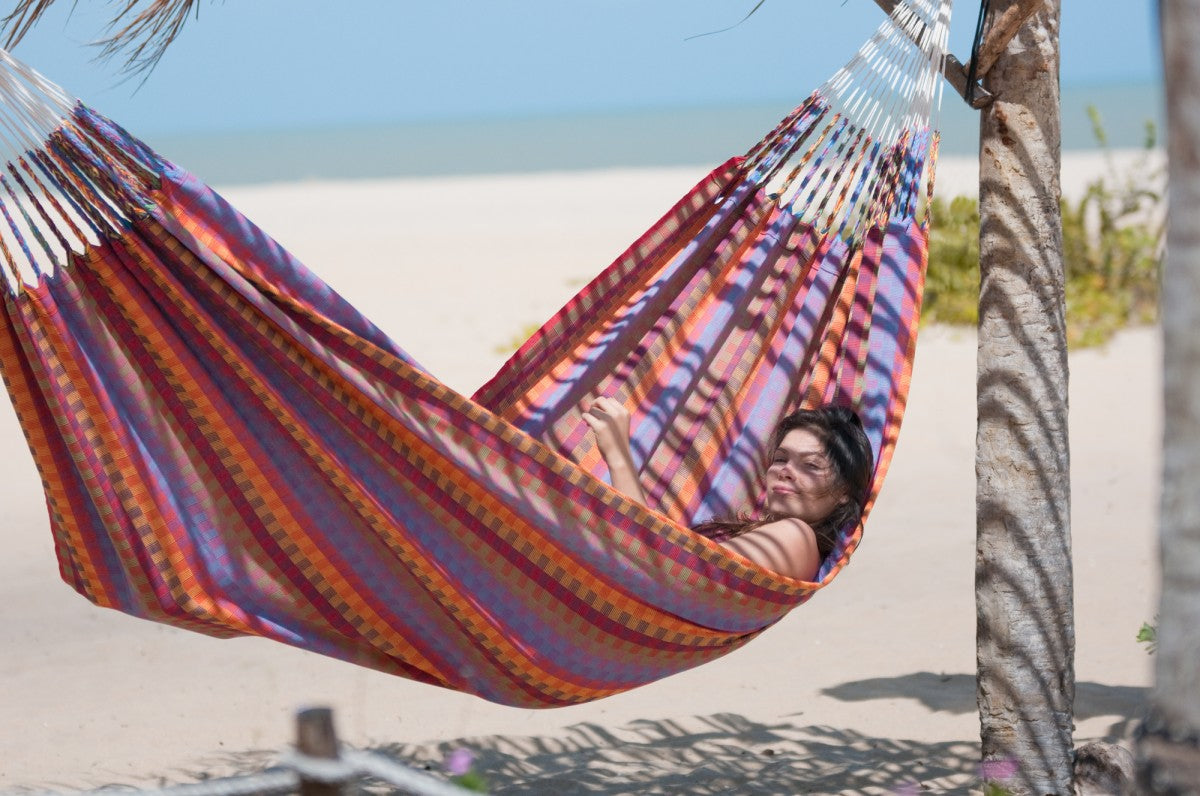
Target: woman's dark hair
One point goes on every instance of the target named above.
(850, 458)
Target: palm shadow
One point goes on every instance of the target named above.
(955, 693)
(718, 754)
(703, 755)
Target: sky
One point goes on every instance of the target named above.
(257, 65)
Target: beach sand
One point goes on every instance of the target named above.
(867, 689)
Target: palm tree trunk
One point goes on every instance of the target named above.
(1170, 744)
(1025, 633)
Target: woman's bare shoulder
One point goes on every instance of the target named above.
(788, 525)
(787, 546)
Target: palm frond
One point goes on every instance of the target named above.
(757, 6)
(141, 29)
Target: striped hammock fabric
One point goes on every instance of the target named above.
(227, 446)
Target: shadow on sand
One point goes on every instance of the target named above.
(727, 753)
(718, 754)
(955, 693)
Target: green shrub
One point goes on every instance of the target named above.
(1148, 635)
(1112, 249)
(511, 345)
(952, 281)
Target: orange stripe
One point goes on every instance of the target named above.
(141, 513)
(682, 487)
(415, 559)
(709, 437)
(603, 316)
(70, 544)
(680, 225)
(477, 414)
(834, 329)
(270, 506)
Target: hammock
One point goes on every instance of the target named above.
(227, 446)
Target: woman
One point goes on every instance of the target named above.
(817, 482)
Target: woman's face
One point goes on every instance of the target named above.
(800, 480)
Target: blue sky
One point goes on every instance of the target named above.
(271, 64)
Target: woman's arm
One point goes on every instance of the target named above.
(786, 546)
(609, 421)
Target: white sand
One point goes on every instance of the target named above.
(868, 687)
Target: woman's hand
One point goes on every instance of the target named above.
(609, 420)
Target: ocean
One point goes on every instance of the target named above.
(631, 139)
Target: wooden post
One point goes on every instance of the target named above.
(315, 737)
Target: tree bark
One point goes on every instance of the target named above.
(1169, 747)
(1025, 641)
(1003, 28)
